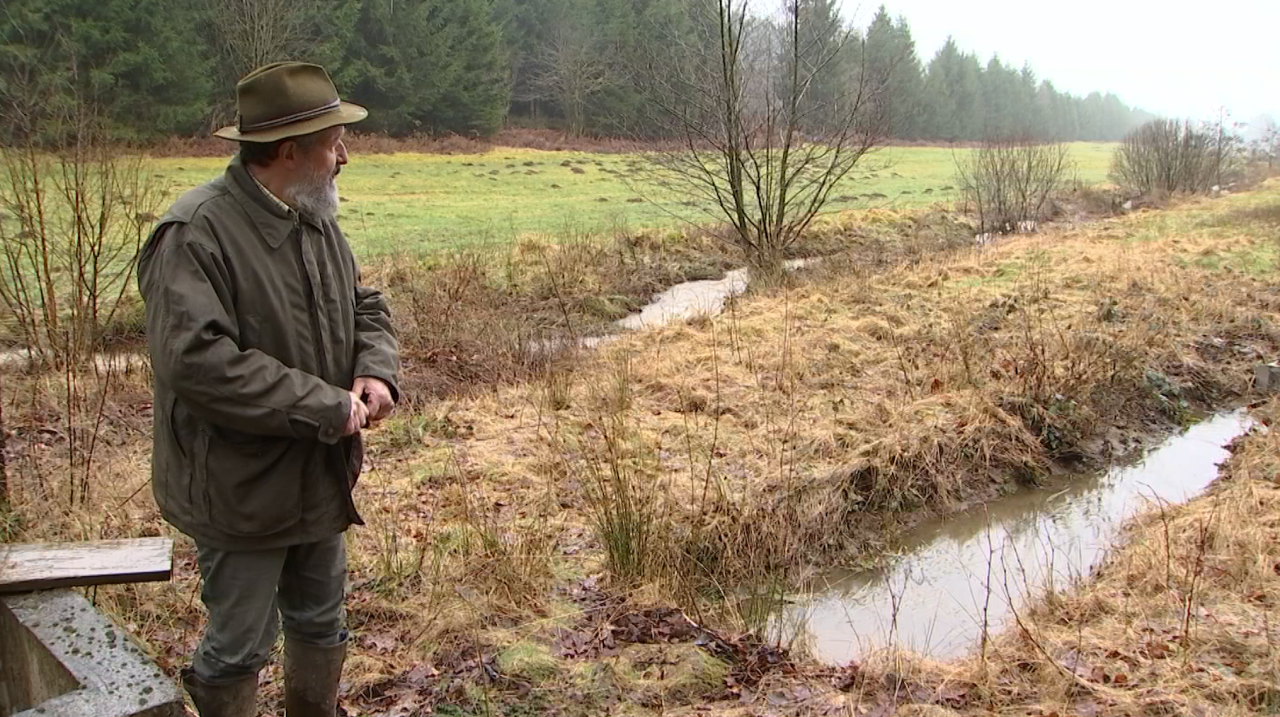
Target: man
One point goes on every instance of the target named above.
(269, 358)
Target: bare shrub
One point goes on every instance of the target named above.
(457, 325)
(1010, 182)
(69, 244)
(1167, 156)
(758, 145)
(1265, 149)
(4, 458)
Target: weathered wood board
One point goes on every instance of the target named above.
(43, 566)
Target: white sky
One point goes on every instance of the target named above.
(1171, 57)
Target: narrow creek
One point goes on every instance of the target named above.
(681, 302)
(931, 598)
(684, 301)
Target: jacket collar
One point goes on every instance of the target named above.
(274, 222)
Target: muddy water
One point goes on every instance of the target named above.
(931, 598)
(20, 359)
(687, 300)
(694, 298)
(679, 303)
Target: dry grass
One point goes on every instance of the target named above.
(475, 317)
(812, 420)
(1181, 619)
(809, 422)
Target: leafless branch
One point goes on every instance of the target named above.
(758, 147)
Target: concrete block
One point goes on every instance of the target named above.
(60, 657)
(1266, 378)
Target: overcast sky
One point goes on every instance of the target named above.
(1169, 57)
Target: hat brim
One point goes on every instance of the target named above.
(347, 113)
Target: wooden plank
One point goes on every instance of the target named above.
(43, 566)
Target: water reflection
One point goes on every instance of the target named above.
(932, 599)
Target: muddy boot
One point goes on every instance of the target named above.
(225, 699)
(311, 676)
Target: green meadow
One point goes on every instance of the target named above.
(416, 202)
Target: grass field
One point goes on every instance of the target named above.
(430, 201)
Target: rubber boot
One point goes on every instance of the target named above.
(311, 676)
(224, 699)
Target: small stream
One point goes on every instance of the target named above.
(695, 298)
(937, 586)
(115, 361)
(685, 301)
(705, 297)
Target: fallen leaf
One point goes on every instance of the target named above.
(884, 709)
(1088, 709)
(778, 699)
(419, 674)
(380, 642)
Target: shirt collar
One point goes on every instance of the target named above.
(280, 203)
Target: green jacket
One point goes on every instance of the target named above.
(257, 327)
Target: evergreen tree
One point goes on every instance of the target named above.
(891, 59)
(941, 91)
(155, 67)
(137, 63)
(825, 62)
(970, 110)
(524, 32)
(1028, 119)
(999, 86)
(428, 66)
(910, 85)
(1048, 104)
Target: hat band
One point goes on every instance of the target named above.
(290, 119)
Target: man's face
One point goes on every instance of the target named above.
(316, 165)
(326, 154)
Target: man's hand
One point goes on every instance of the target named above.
(377, 396)
(359, 416)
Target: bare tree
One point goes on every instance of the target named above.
(74, 207)
(1269, 146)
(1010, 182)
(1167, 156)
(756, 145)
(1265, 145)
(572, 68)
(253, 33)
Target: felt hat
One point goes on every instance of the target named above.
(287, 99)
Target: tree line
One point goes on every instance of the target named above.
(154, 68)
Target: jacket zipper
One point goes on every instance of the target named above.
(317, 336)
(322, 365)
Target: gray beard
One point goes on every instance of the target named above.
(317, 197)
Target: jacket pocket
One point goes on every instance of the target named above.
(252, 485)
(355, 461)
(182, 476)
